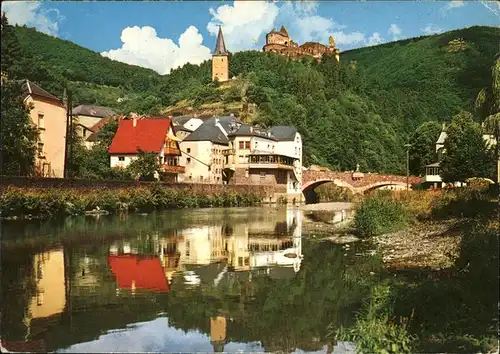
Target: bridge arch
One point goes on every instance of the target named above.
(309, 187)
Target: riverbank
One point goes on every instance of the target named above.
(22, 203)
(438, 289)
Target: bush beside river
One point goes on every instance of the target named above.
(51, 202)
(436, 304)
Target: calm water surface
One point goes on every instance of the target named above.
(209, 280)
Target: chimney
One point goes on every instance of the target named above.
(216, 121)
(251, 129)
(134, 121)
(231, 115)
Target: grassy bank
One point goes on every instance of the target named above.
(52, 202)
(435, 309)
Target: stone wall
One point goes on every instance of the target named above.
(265, 191)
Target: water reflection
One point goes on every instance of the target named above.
(227, 281)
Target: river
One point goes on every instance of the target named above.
(204, 280)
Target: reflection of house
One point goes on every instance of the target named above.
(218, 330)
(138, 272)
(50, 296)
(49, 116)
(147, 135)
(202, 245)
(433, 170)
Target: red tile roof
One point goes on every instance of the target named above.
(146, 272)
(148, 135)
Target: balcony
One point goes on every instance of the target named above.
(228, 152)
(171, 151)
(271, 162)
(174, 169)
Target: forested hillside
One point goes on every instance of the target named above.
(359, 111)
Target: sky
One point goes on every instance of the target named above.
(157, 335)
(162, 35)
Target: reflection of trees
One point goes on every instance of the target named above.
(18, 286)
(283, 314)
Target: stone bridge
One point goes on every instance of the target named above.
(356, 182)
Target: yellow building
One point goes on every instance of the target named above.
(49, 116)
(220, 60)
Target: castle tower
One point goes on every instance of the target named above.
(220, 60)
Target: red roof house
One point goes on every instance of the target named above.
(147, 135)
(143, 272)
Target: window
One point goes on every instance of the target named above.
(190, 176)
(40, 149)
(262, 174)
(188, 150)
(188, 160)
(40, 121)
(121, 158)
(256, 145)
(188, 246)
(242, 144)
(240, 261)
(247, 145)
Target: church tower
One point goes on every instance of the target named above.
(220, 60)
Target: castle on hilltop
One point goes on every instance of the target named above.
(277, 42)
(281, 43)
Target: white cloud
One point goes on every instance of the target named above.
(375, 39)
(431, 29)
(243, 23)
(32, 14)
(394, 31)
(454, 4)
(307, 25)
(143, 47)
(493, 6)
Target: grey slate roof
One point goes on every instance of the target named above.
(248, 130)
(93, 111)
(178, 128)
(227, 122)
(284, 132)
(220, 46)
(181, 120)
(208, 132)
(30, 88)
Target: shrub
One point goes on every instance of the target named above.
(46, 203)
(376, 330)
(379, 214)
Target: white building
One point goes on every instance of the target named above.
(433, 170)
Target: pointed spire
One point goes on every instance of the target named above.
(220, 46)
(284, 31)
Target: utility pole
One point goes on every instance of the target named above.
(407, 167)
(69, 132)
(66, 148)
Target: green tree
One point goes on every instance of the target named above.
(11, 50)
(145, 166)
(466, 153)
(423, 143)
(18, 135)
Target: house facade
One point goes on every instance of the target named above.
(89, 115)
(224, 150)
(203, 153)
(50, 118)
(257, 156)
(433, 171)
(147, 135)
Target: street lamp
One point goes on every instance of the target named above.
(407, 146)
